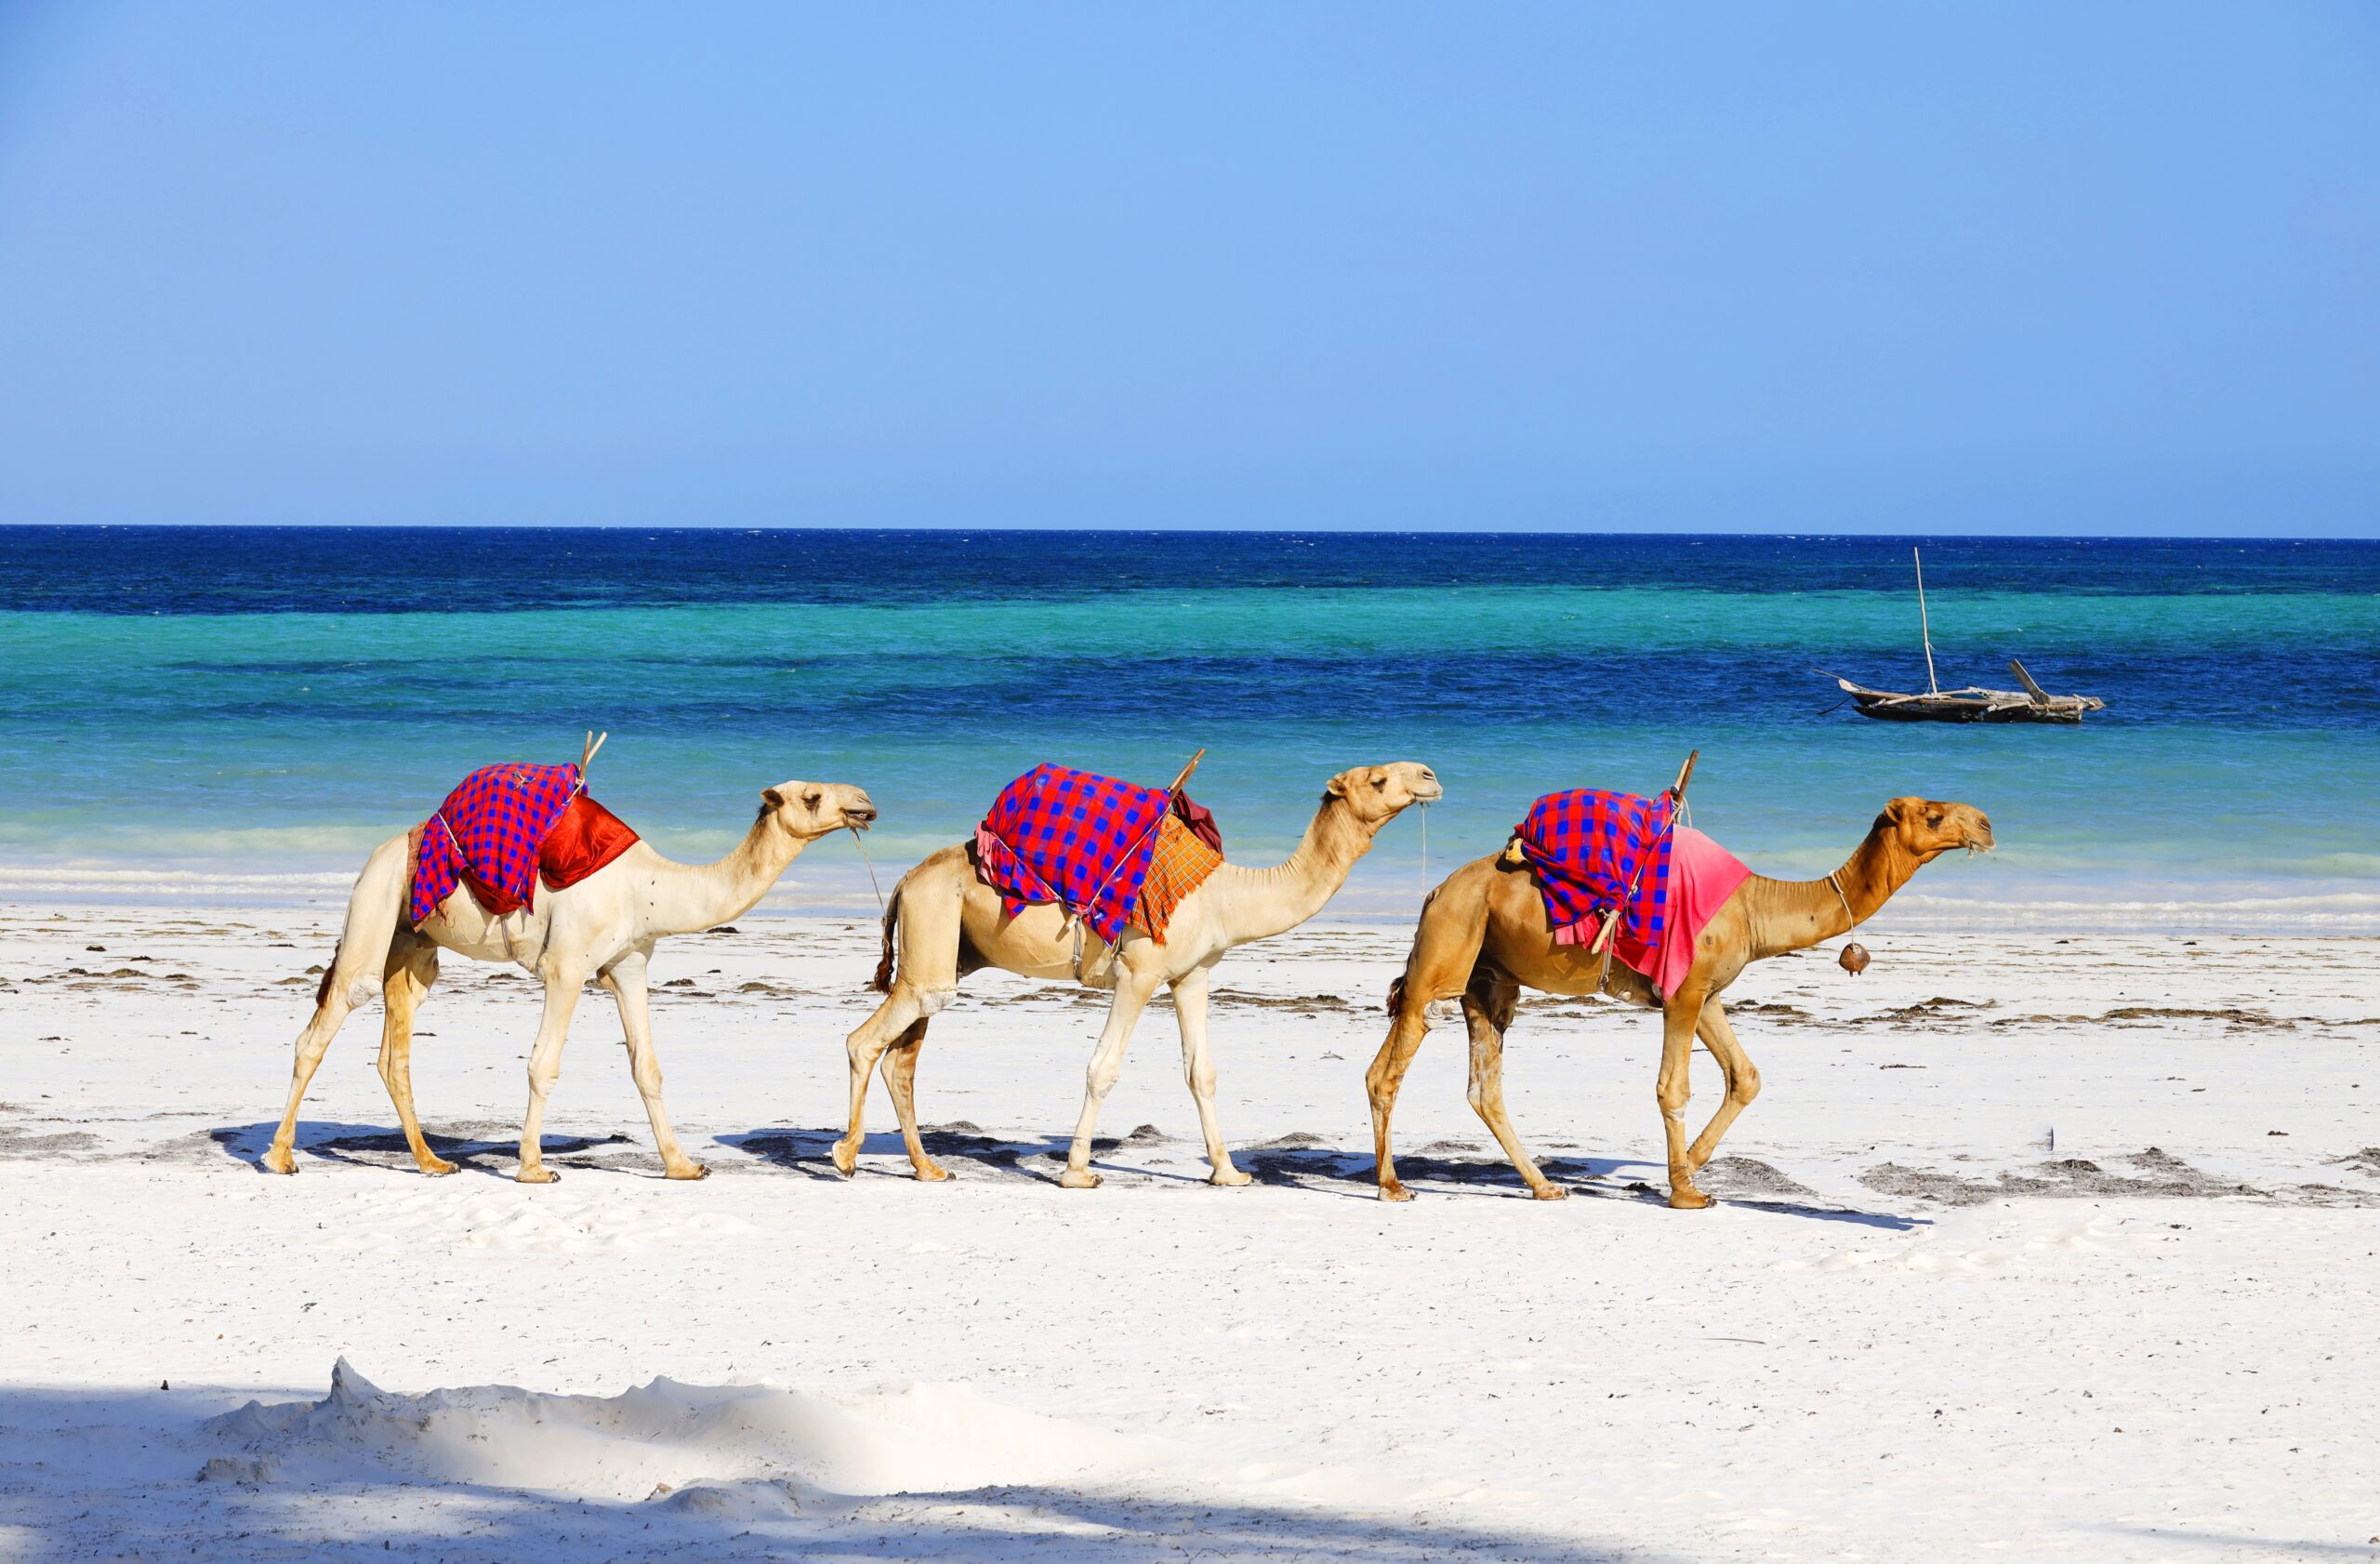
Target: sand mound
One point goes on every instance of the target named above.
(667, 1439)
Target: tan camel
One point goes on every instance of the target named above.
(1484, 935)
(949, 923)
(604, 927)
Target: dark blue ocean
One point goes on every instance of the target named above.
(241, 713)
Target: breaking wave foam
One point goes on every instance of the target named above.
(830, 890)
(92, 882)
(2339, 912)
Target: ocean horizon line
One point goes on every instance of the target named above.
(944, 529)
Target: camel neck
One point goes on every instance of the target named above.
(1796, 914)
(1262, 902)
(690, 897)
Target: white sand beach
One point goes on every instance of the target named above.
(2034, 1247)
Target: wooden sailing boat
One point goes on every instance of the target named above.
(2032, 704)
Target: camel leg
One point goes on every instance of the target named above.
(1744, 1081)
(412, 967)
(625, 978)
(1679, 1018)
(1446, 949)
(1385, 1079)
(1487, 1007)
(900, 1011)
(901, 1080)
(313, 1044)
(1132, 991)
(1199, 1067)
(563, 985)
(924, 980)
(356, 966)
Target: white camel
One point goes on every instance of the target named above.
(949, 923)
(604, 927)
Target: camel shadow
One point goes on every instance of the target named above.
(884, 1155)
(1297, 1161)
(1438, 1169)
(481, 1148)
(1352, 1174)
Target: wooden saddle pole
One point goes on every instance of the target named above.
(1183, 779)
(1677, 800)
(1074, 914)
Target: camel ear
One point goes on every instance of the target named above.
(771, 799)
(1335, 789)
(1901, 808)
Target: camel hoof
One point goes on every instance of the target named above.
(278, 1159)
(932, 1173)
(1079, 1178)
(1548, 1192)
(1687, 1198)
(1394, 1192)
(1229, 1178)
(687, 1172)
(537, 1175)
(437, 1167)
(845, 1159)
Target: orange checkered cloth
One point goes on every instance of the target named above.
(1179, 865)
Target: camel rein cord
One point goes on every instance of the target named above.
(1836, 886)
(871, 869)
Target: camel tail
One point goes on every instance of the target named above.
(323, 989)
(1397, 989)
(882, 981)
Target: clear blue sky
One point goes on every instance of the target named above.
(1904, 266)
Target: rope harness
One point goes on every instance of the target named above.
(1834, 885)
(872, 885)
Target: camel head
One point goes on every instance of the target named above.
(1925, 828)
(1375, 794)
(807, 810)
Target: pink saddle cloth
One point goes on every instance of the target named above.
(1702, 876)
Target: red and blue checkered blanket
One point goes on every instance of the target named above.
(1071, 837)
(1588, 847)
(488, 831)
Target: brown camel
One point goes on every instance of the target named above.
(1484, 936)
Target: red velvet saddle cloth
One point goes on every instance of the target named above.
(586, 836)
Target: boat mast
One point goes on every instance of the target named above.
(1923, 628)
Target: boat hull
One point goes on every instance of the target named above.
(1947, 711)
(1973, 704)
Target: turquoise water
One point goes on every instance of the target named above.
(178, 715)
